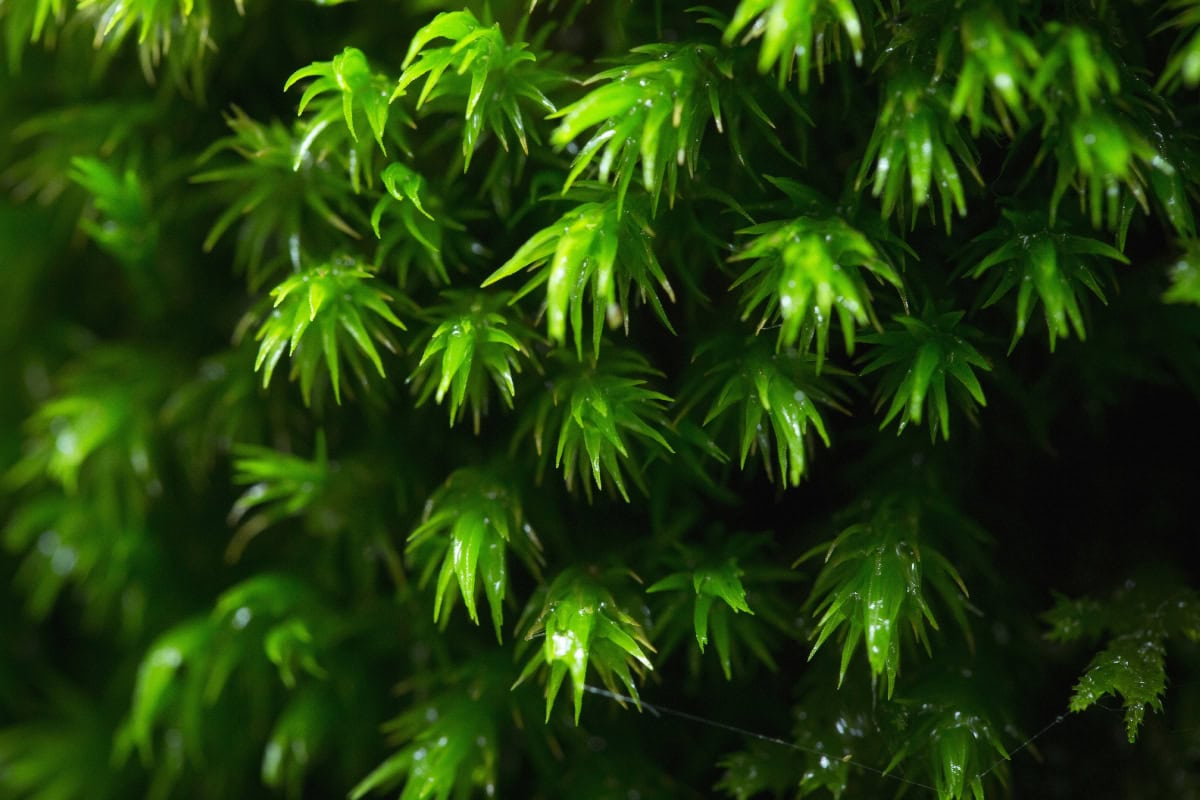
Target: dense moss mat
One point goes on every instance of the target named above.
(599, 399)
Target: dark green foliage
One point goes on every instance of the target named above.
(592, 415)
(1054, 265)
(1138, 620)
(691, 273)
(746, 381)
(877, 579)
(924, 360)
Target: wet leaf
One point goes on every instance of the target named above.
(580, 625)
(795, 31)
(468, 526)
(347, 310)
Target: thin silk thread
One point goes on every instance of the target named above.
(660, 711)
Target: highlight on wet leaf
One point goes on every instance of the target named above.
(804, 272)
(916, 137)
(876, 582)
(797, 31)
(925, 361)
(493, 81)
(962, 746)
(1139, 619)
(598, 248)
(997, 63)
(467, 528)
(754, 381)
(1044, 265)
(593, 413)
(326, 312)
(472, 346)
(581, 624)
(361, 92)
(654, 110)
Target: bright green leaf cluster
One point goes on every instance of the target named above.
(601, 247)
(1104, 144)
(94, 425)
(497, 142)
(581, 623)
(737, 572)
(1100, 152)
(807, 270)
(349, 77)
(491, 78)
(797, 30)
(281, 485)
(91, 471)
(654, 110)
(178, 29)
(268, 624)
(336, 300)
(420, 236)
(997, 64)
(470, 348)
(924, 361)
(1184, 65)
(26, 22)
(451, 749)
(468, 526)
(721, 581)
(1185, 276)
(127, 230)
(916, 138)
(1076, 71)
(286, 200)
